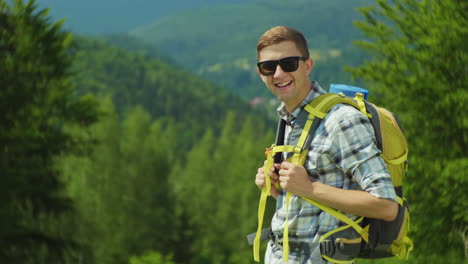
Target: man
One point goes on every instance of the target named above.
(343, 169)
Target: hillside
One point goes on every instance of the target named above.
(218, 42)
(115, 16)
(136, 78)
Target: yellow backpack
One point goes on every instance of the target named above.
(365, 237)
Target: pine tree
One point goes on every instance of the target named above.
(38, 106)
(147, 205)
(419, 72)
(193, 183)
(122, 189)
(91, 184)
(216, 195)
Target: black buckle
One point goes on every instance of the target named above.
(327, 247)
(294, 246)
(276, 240)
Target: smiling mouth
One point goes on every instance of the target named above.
(283, 85)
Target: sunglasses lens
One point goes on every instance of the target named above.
(268, 67)
(289, 64)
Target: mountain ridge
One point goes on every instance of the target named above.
(218, 43)
(117, 16)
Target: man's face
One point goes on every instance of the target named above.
(289, 87)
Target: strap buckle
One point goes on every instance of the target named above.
(276, 240)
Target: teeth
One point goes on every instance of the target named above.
(283, 84)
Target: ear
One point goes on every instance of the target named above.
(258, 72)
(261, 75)
(309, 64)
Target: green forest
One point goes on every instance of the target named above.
(112, 152)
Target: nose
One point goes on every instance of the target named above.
(279, 71)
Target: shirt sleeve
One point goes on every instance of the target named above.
(354, 149)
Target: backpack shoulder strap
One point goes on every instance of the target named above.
(320, 107)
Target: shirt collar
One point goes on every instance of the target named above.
(290, 117)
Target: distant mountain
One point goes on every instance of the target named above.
(134, 44)
(218, 42)
(136, 78)
(116, 16)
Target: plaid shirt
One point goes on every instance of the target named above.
(343, 154)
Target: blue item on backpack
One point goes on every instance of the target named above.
(348, 90)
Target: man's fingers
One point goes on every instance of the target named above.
(286, 165)
(260, 180)
(273, 174)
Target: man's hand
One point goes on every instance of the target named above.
(260, 179)
(294, 179)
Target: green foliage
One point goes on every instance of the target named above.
(140, 192)
(151, 258)
(419, 72)
(122, 190)
(216, 193)
(38, 105)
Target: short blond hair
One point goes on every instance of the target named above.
(281, 33)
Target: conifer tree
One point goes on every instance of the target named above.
(147, 203)
(246, 155)
(419, 72)
(216, 194)
(193, 183)
(37, 105)
(122, 190)
(92, 182)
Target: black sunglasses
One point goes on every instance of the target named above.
(288, 64)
